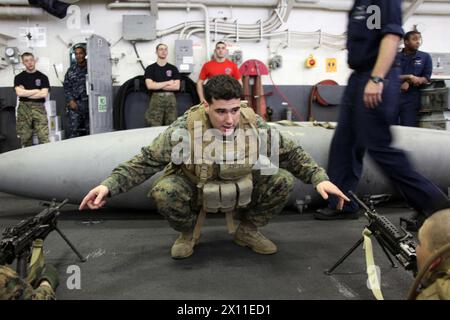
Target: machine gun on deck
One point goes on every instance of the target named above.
(395, 242)
(20, 241)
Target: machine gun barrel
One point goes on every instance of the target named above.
(17, 240)
(398, 242)
(43, 218)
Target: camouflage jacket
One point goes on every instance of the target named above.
(437, 284)
(157, 156)
(12, 287)
(75, 83)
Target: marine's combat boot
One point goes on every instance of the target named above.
(183, 247)
(247, 235)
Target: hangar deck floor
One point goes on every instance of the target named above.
(129, 257)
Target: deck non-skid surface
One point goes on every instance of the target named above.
(129, 257)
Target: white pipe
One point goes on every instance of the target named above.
(233, 3)
(248, 30)
(194, 31)
(205, 11)
(339, 43)
(259, 3)
(175, 28)
(172, 6)
(433, 9)
(253, 30)
(228, 28)
(411, 9)
(428, 8)
(20, 11)
(14, 2)
(266, 3)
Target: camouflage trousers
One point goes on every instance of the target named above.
(176, 199)
(31, 119)
(12, 287)
(162, 110)
(78, 120)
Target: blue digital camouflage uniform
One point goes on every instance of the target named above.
(75, 89)
(176, 196)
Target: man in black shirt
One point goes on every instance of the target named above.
(32, 88)
(162, 79)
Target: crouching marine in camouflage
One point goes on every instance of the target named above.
(220, 172)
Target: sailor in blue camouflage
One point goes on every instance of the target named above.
(76, 96)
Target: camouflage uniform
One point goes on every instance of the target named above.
(162, 110)
(437, 283)
(12, 287)
(176, 196)
(75, 89)
(31, 118)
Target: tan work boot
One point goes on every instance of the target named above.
(183, 247)
(247, 235)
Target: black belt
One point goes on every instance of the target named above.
(34, 103)
(163, 93)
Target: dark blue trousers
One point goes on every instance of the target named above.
(78, 120)
(409, 107)
(362, 129)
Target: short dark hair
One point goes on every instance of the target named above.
(222, 87)
(220, 42)
(410, 34)
(80, 47)
(161, 44)
(26, 54)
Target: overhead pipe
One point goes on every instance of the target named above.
(128, 5)
(408, 12)
(228, 28)
(206, 16)
(270, 25)
(254, 3)
(246, 31)
(15, 2)
(8, 11)
(429, 7)
(234, 3)
(279, 15)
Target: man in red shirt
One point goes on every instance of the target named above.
(219, 65)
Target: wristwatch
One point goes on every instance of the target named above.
(377, 79)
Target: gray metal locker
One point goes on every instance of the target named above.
(99, 86)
